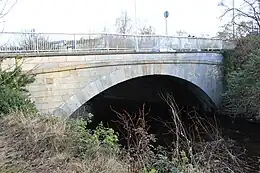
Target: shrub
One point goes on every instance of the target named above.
(11, 100)
(92, 141)
(242, 76)
(13, 95)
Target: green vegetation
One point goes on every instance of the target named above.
(13, 95)
(242, 76)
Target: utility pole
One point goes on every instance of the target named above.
(233, 19)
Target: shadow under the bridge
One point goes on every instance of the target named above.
(132, 94)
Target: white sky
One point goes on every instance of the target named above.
(73, 16)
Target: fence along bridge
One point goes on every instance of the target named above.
(32, 43)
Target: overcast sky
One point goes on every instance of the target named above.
(193, 16)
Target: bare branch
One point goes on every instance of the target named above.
(2, 14)
(244, 17)
(123, 23)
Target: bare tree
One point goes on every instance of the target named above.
(147, 30)
(124, 26)
(147, 42)
(181, 33)
(123, 23)
(245, 18)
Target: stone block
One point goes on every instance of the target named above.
(99, 85)
(42, 94)
(57, 59)
(75, 58)
(47, 66)
(28, 67)
(65, 97)
(59, 92)
(72, 90)
(81, 97)
(49, 80)
(34, 60)
(60, 112)
(106, 81)
(42, 106)
(64, 74)
(118, 76)
(54, 104)
(47, 111)
(57, 99)
(73, 85)
(73, 103)
(91, 90)
(90, 58)
(71, 64)
(127, 71)
(83, 72)
(64, 110)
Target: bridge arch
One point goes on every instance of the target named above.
(203, 80)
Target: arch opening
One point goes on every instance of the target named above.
(132, 94)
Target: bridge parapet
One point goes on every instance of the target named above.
(31, 43)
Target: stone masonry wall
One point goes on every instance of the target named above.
(63, 83)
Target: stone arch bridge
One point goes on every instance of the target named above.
(64, 83)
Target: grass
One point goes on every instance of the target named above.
(33, 143)
(40, 144)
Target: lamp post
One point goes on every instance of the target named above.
(136, 39)
(166, 15)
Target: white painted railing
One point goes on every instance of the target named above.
(30, 42)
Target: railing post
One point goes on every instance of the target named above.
(75, 43)
(180, 43)
(221, 44)
(107, 41)
(37, 41)
(136, 44)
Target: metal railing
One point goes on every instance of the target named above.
(31, 42)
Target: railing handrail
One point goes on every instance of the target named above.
(109, 34)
